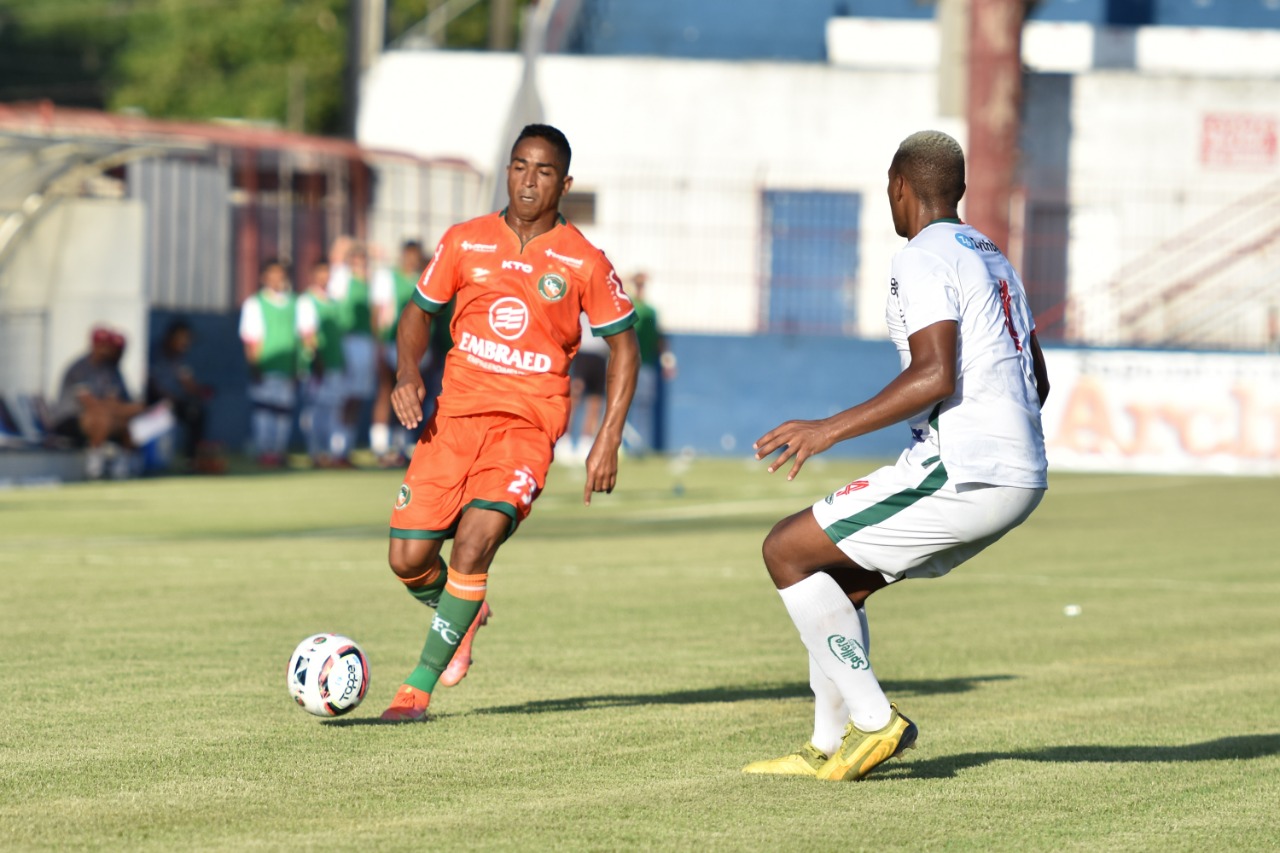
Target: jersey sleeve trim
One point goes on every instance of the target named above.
(617, 326)
(428, 305)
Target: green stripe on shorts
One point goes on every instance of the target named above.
(890, 506)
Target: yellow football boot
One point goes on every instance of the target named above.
(861, 752)
(803, 762)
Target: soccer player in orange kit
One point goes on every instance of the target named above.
(521, 278)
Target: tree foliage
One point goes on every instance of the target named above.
(236, 59)
(199, 59)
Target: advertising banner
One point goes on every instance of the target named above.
(1163, 412)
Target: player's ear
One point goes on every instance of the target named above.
(568, 182)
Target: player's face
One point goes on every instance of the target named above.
(411, 260)
(275, 278)
(320, 276)
(535, 179)
(897, 202)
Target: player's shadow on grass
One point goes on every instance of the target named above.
(798, 690)
(1223, 749)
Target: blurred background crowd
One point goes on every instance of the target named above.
(240, 193)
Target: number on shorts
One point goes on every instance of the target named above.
(523, 486)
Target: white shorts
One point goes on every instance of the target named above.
(361, 373)
(908, 520)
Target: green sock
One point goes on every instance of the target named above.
(430, 594)
(453, 617)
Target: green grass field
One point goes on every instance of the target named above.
(638, 657)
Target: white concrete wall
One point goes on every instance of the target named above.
(1148, 205)
(1065, 46)
(80, 265)
(678, 152)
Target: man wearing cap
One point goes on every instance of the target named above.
(94, 406)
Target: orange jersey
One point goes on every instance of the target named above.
(515, 325)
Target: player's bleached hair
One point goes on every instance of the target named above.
(933, 164)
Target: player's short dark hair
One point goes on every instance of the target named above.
(273, 262)
(553, 136)
(411, 244)
(933, 164)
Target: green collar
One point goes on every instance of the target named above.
(559, 216)
(950, 220)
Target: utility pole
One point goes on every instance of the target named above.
(365, 39)
(994, 111)
(501, 17)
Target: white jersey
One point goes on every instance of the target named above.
(988, 430)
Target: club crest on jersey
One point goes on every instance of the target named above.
(508, 317)
(404, 496)
(552, 287)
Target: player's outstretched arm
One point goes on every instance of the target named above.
(412, 334)
(620, 387)
(930, 377)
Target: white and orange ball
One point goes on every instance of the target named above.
(328, 675)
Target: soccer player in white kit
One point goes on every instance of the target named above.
(972, 383)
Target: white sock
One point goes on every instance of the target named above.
(379, 438)
(830, 714)
(832, 632)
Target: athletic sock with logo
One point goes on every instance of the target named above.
(831, 630)
(461, 601)
(830, 714)
(428, 585)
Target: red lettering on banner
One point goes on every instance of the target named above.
(1201, 431)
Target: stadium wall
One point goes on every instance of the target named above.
(1121, 168)
(678, 156)
(1161, 412)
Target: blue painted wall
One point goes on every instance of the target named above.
(732, 390)
(795, 29)
(217, 357)
(729, 391)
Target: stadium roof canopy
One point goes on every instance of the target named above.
(49, 152)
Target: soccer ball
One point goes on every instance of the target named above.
(328, 675)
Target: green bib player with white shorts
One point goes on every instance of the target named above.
(972, 383)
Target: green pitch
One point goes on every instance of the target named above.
(638, 657)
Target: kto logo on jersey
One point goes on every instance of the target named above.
(517, 265)
(969, 243)
(488, 248)
(552, 287)
(508, 317)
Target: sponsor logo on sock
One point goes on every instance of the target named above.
(445, 630)
(405, 495)
(848, 650)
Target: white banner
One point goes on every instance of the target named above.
(1162, 412)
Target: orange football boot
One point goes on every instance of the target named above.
(409, 705)
(461, 662)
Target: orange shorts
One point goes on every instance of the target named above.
(491, 461)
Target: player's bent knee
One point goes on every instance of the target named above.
(409, 558)
(474, 553)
